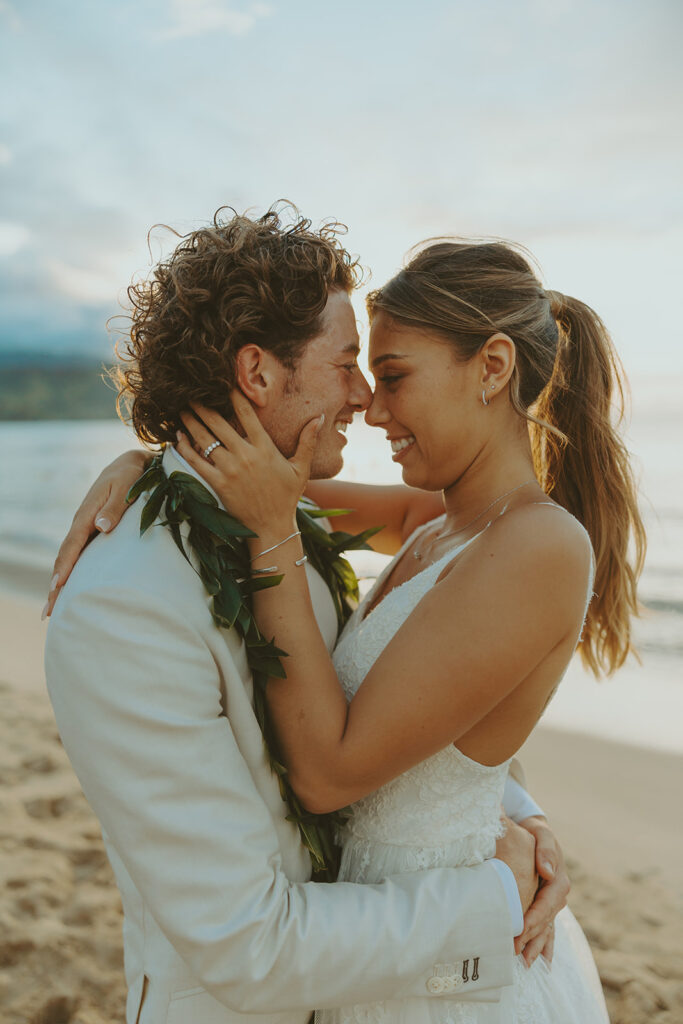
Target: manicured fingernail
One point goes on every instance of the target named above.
(547, 866)
(179, 434)
(54, 581)
(43, 614)
(103, 524)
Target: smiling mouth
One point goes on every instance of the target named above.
(399, 444)
(341, 425)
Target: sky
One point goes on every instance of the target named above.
(555, 123)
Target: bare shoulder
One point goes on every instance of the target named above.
(540, 543)
(546, 532)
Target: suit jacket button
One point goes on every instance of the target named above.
(436, 986)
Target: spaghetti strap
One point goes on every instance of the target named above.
(553, 504)
(506, 508)
(591, 577)
(388, 569)
(455, 552)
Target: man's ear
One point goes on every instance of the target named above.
(255, 373)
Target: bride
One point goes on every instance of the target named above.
(497, 394)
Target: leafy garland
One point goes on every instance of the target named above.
(218, 543)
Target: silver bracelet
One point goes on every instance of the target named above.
(297, 533)
(275, 568)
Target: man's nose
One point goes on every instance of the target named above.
(361, 396)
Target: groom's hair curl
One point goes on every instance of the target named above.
(238, 281)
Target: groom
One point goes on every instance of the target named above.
(153, 700)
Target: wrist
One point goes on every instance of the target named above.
(276, 543)
(271, 533)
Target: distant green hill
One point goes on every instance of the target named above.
(54, 389)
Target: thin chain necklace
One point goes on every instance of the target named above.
(451, 533)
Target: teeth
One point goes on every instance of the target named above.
(341, 425)
(400, 443)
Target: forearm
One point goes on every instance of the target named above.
(398, 509)
(400, 924)
(100, 511)
(309, 708)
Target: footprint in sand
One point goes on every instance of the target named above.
(42, 764)
(12, 952)
(59, 1010)
(47, 807)
(87, 857)
(79, 914)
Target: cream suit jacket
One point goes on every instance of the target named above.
(153, 703)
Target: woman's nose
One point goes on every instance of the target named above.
(376, 414)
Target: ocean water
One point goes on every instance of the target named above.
(46, 468)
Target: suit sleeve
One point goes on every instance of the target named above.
(518, 804)
(136, 697)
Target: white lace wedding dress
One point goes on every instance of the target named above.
(446, 812)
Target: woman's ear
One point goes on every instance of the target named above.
(498, 356)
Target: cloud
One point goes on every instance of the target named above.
(13, 237)
(197, 17)
(7, 11)
(86, 287)
(490, 129)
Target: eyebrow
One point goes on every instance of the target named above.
(355, 349)
(389, 355)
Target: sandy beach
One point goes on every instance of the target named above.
(613, 807)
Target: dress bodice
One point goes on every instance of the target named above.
(445, 810)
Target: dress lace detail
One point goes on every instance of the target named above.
(445, 812)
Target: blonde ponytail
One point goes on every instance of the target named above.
(590, 473)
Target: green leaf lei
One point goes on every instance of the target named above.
(218, 543)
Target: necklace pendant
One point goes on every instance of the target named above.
(417, 556)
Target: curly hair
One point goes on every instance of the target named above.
(239, 281)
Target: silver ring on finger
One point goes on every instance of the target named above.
(211, 448)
